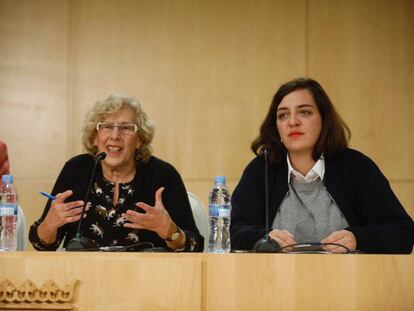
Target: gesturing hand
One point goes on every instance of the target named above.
(61, 213)
(342, 237)
(156, 218)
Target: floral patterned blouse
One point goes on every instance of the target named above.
(103, 223)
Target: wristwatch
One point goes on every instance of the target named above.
(175, 235)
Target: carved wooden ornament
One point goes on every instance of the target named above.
(29, 297)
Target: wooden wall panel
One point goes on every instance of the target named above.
(34, 94)
(363, 52)
(33, 85)
(204, 72)
(404, 191)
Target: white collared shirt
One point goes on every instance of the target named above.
(317, 171)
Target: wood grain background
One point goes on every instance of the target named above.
(205, 72)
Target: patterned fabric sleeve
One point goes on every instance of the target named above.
(37, 243)
(67, 180)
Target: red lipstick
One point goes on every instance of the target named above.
(295, 134)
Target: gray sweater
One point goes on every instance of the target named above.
(309, 212)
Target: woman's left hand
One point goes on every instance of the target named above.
(342, 237)
(156, 218)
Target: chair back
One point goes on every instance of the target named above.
(21, 230)
(200, 217)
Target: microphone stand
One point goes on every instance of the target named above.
(266, 244)
(80, 243)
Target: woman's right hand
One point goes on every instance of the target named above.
(59, 214)
(282, 237)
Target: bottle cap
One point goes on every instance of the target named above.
(220, 180)
(7, 179)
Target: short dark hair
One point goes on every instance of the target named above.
(334, 135)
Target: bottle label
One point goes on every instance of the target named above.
(8, 209)
(219, 210)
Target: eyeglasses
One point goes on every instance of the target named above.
(124, 128)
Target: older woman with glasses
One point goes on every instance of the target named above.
(135, 197)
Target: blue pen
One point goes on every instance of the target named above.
(47, 195)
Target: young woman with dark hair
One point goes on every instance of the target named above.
(334, 134)
(320, 190)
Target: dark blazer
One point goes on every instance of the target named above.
(149, 177)
(363, 194)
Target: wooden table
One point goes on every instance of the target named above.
(168, 281)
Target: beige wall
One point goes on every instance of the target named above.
(205, 72)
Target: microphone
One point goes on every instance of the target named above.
(79, 243)
(136, 247)
(314, 248)
(266, 244)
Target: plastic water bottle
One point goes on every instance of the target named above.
(219, 206)
(8, 214)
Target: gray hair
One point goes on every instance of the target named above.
(113, 104)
